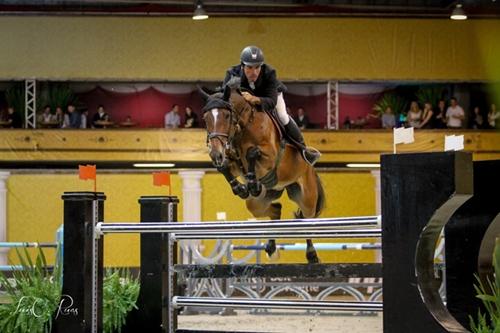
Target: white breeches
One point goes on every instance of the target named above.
(281, 110)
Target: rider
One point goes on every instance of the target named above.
(260, 79)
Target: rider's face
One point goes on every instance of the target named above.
(252, 72)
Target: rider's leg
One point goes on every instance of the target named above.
(311, 155)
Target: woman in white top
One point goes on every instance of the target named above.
(414, 116)
(493, 115)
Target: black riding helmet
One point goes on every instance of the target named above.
(252, 56)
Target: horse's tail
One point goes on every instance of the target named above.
(320, 203)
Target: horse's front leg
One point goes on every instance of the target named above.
(254, 186)
(238, 188)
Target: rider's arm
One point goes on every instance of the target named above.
(269, 91)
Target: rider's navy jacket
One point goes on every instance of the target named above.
(266, 86)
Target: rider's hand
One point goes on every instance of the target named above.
(250, 98)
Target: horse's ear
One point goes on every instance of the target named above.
(203, 92)
(227, 93)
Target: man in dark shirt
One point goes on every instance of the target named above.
(75, 118)
(100, 115)
(260, 79)
(302, 120)
(14, 118)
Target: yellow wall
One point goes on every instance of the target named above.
(167, 48)
(35, 207)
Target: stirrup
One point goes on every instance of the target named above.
(311, 155)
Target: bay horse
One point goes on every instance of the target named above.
(244, 142)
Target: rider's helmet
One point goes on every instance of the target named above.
(252, 56)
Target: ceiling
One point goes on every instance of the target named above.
(316, 8)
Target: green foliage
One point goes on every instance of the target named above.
(397, 104)
(56, 94)
(431, 94)
(489, 295)
(34, 296)
(120, 292)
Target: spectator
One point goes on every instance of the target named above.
(100, 115)
(172, 118)
(191, 119)
(359, 123)
(84, 117)
(13, 118)
(302, 120)
(493, 117)
(75, 118)
(440, 115)
(401, 120)
(427, 117)
(476, 119)
(46, 116)
(61, 117)
(388, 118)
(414, 115)
(347, 123)
(454, 115)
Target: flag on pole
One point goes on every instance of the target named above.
(453, 142)
(403, 135)
(87, 172)
(162, 179)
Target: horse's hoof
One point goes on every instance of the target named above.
(241, 191)
(275, 256)
(312, 258)
(255, 188)
(270, 248)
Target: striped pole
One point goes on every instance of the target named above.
(179, 301)
(302, 225)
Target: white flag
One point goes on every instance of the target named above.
(453, 142)
(403, 135)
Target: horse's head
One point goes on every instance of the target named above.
(219, 120)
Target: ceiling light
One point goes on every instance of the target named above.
(154, 165)
(363, 165)
(458, 13)
(199, 12)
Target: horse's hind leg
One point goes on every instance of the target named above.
(254, 186)
(260, 208)
(271, 244)
(311, 255)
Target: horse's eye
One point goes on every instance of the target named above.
(226, 116)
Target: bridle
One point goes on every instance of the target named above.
(228, 136)
(234, 126)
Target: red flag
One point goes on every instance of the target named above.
(161, 179)
(87, 171)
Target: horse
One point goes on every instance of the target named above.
(245, 142)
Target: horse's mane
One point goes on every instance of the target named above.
(234, 82)
(216, 101)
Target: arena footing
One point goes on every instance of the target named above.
(198, 331)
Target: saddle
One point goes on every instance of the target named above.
(283, 136)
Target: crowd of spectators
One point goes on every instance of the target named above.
(426, 116)
(441, 116)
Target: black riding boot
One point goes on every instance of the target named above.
(310, 155)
